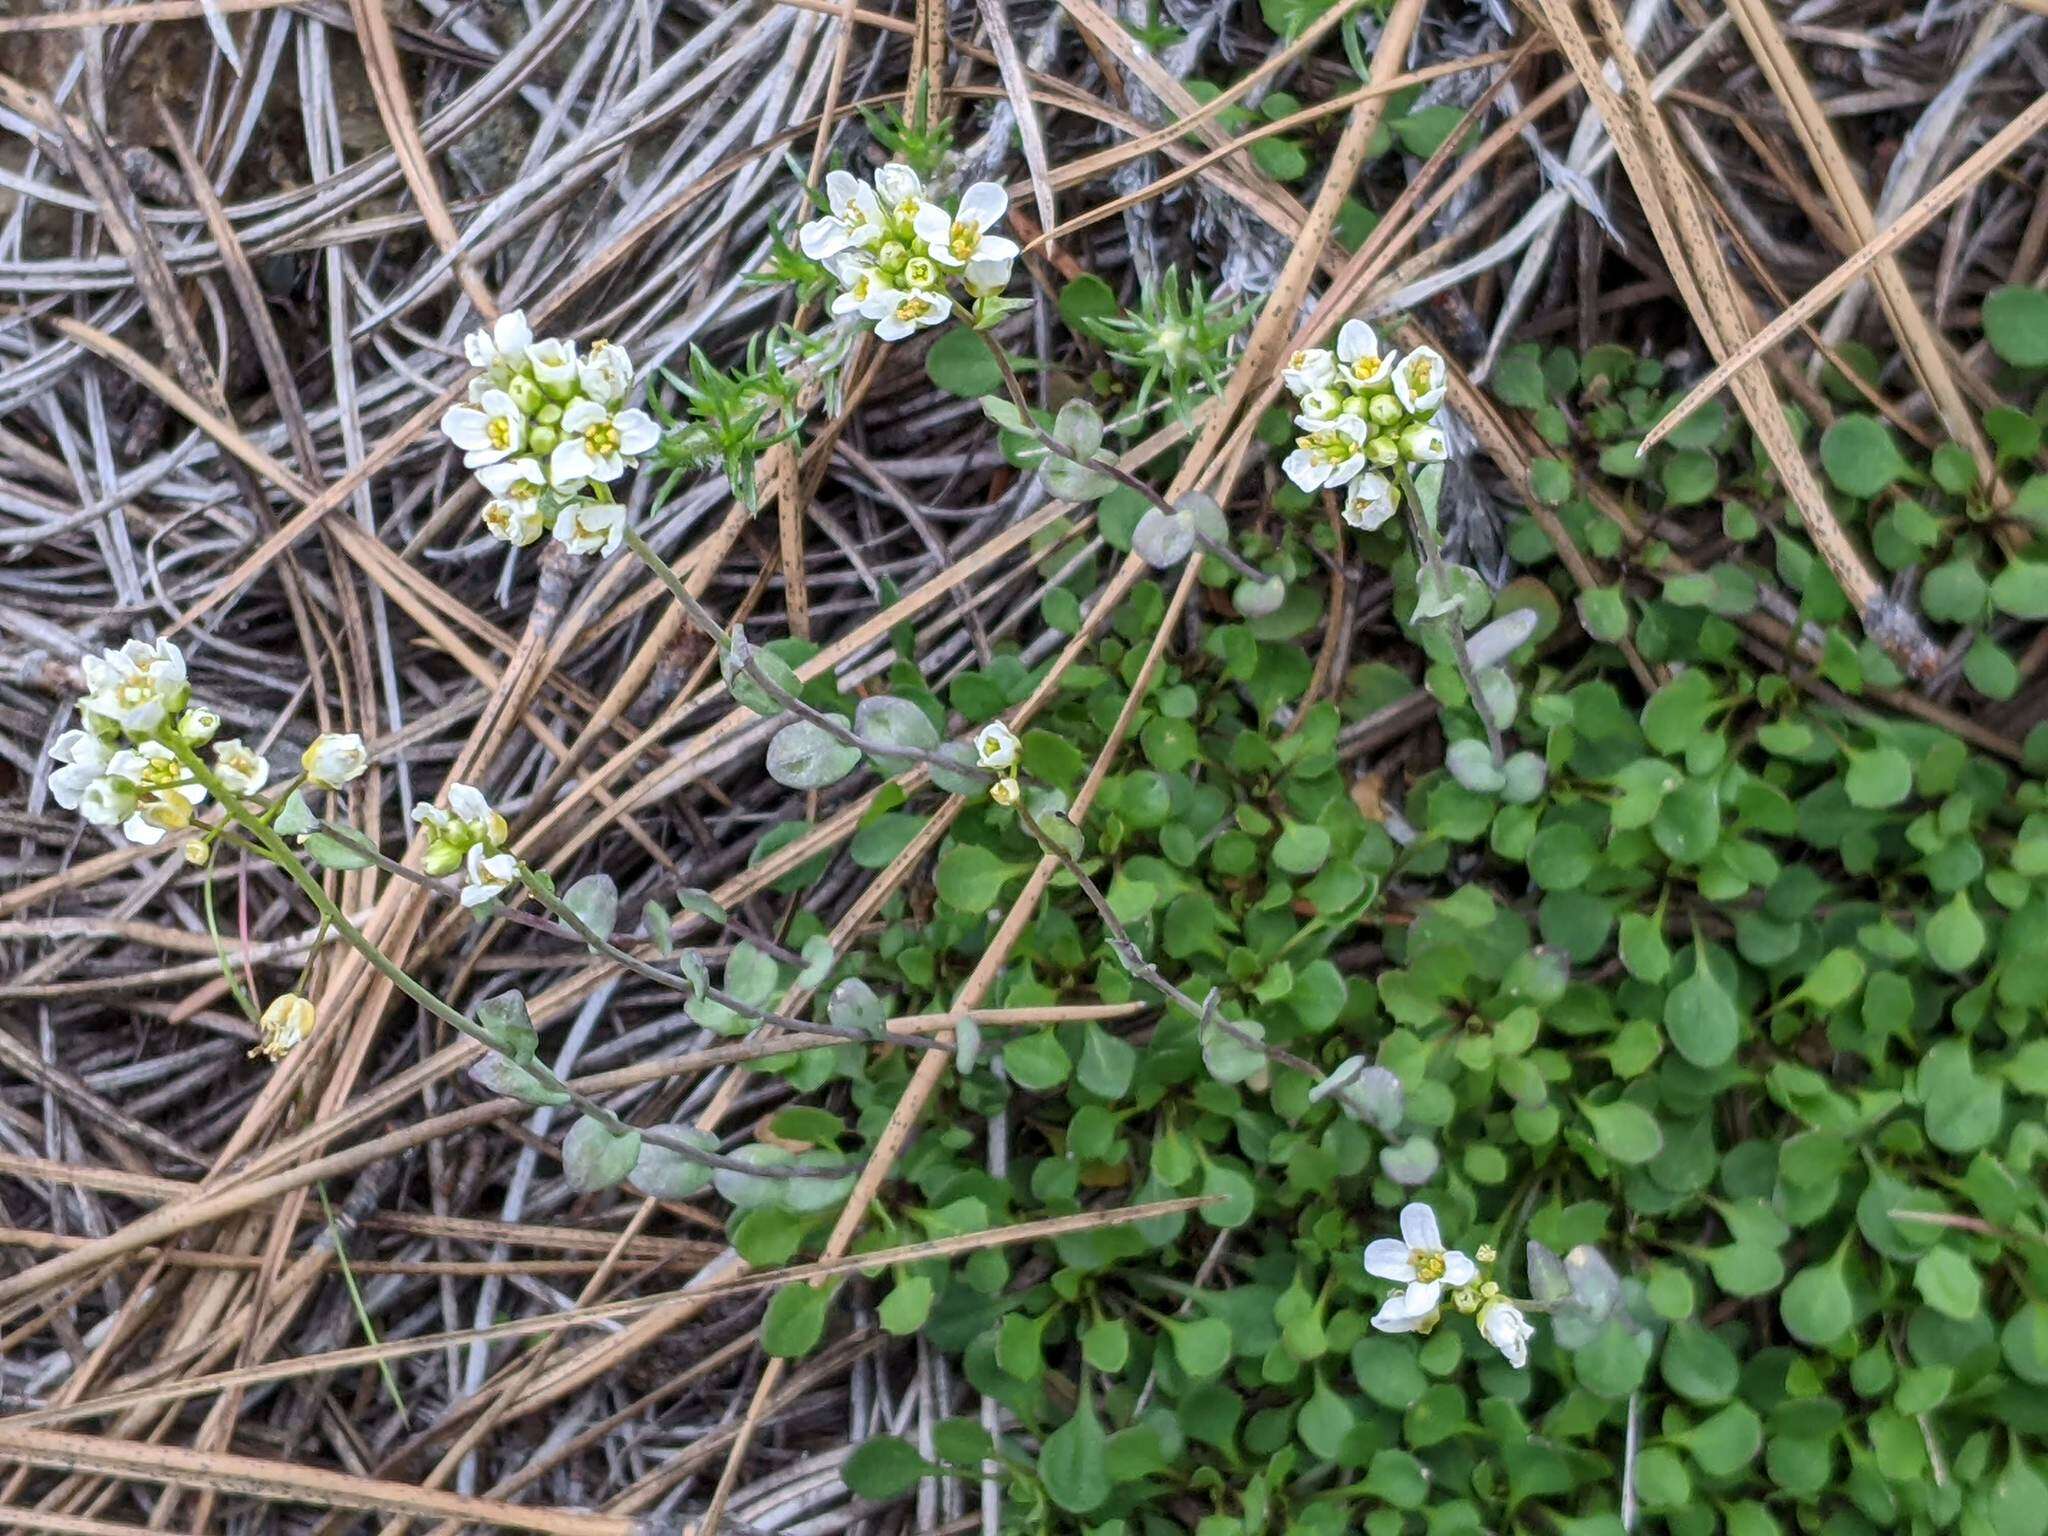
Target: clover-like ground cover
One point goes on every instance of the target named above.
(1273, 865)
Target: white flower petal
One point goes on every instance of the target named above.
(822, 239)
(840, 190)
(569, 463)
(1395, 1317)
(637, 431)
(138, 829)
(511, 335)
(1423, 1295)
(898, 184)
(468, 802)
(1356, 340)
(935, 229)
(464, 426)
(1459, 1270)
(1304, 469)
(1419, 1228)
(983, 204)
(581, 414)
(1388, 1258)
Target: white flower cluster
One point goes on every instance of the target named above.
(1418, 1261)
(121, 769)
(542, 427)
(471, 837)
(895, 252)
(1363, 411)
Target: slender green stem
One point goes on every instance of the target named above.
(1454, 623)
(355, 843)
(279, 853)
(830, 723)
(573, 923)
(1134, 961)
(1109, 467)
(355, 1296)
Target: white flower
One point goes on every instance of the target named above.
(107, 802)
(486, 875)
(84, 756)
(198, 725)
(1004, 792)
(984, 276)
(468, 802)
(996, 745)
(1370, 501)
(1424, 442)
(1502, 1325)
(492, 429)
(504, 340)
(606, 373)
(863, 283)
(1420, 380)
(1329, 455)
(153, 767)
(958, 238)
(855, 219)
(1312, 368)
(238, 767)
(1396, 1316)
(554, 366)
(286, 1022)
(897, 315)
(597, 441)
(451, 833)
(1365, 366)
(152, 783)
(137, 687)
(335, 760)
(513, 512)
(590, 527)
(1419, 1260)
(921, 273)
(900, 193)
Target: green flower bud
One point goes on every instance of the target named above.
(197, 726)
(526, 394)
(443, 858)
(542, 439)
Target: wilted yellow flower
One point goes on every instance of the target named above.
(286, 1022)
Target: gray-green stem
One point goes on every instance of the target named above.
(1454, 622)
(1015, 388)
(279, 853)
(1134, 961)
(830, 723)
(574, 924)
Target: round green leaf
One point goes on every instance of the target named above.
(1860, 456)
(2016, 325)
